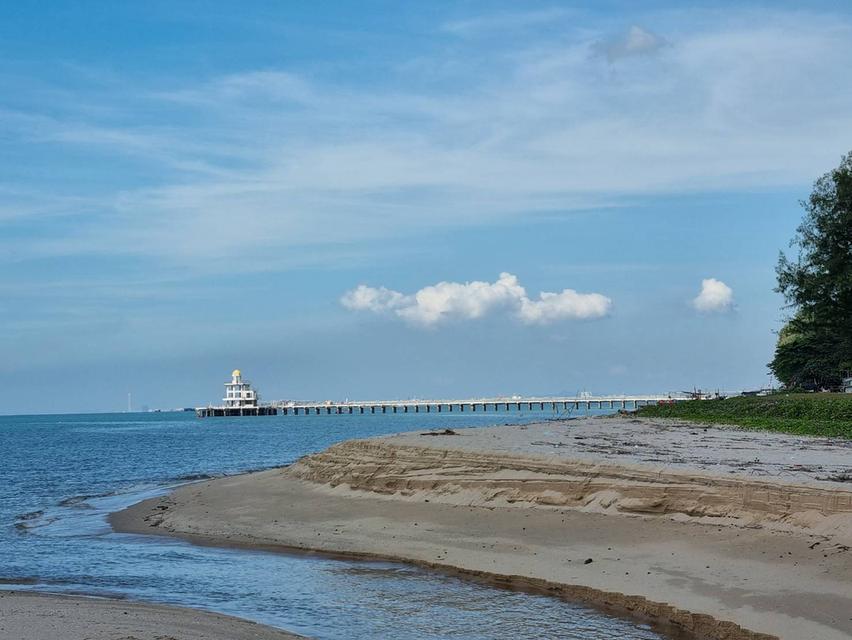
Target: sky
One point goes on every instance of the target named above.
(389, 200)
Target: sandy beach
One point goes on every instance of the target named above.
(723, 533)
(39, 616)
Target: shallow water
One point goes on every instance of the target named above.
(61, 475)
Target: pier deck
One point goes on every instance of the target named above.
(474, 404)
(556, 404)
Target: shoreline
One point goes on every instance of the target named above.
(434, 501)
(39, 615)
(661, 617)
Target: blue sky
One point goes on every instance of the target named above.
(186, 188)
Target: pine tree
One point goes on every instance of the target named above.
(815, 347)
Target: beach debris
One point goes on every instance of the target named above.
(192, 477)
(588, 561)
(845, 476)
(445, 432)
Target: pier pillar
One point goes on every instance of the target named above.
(405, 408)
(428, 408)
(372, 409)
(394, 408)
(439, 408)
(417, 408)
(384, 409)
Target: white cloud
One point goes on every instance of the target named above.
(469, 300)
(445, 301)
(566, 305)
(636, 41)
(715, 296)
(364, 298)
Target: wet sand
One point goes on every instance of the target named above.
(724, 533)
(38, 616)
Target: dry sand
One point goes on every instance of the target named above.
(36, 616)
(725, 533)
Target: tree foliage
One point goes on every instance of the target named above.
(815, 347)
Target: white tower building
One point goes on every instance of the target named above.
(239, 394)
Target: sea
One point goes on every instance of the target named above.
(61, 475)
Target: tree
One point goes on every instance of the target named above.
(815, 346)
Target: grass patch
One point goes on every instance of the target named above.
(814, 414)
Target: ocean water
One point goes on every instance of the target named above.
(61, 475)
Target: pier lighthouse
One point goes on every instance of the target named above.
(239, 394)
(240, 400)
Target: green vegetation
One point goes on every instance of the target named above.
(815, 347)
(816, 414)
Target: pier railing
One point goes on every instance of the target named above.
(512, 403)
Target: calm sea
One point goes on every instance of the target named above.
(61, 475)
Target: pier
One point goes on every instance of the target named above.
(241, 400)
(473, 405)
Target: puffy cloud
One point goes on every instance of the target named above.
(715, 296)
(467, 300)
(364, 298)
(471, 300)
(562, 306)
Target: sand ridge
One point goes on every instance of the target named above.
(430, 471)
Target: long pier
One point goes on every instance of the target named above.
(472, 405)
